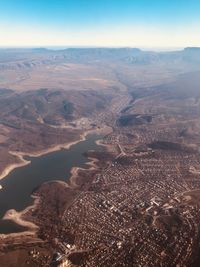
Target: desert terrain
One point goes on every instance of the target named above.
(138, 203)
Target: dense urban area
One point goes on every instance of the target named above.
(138, 204)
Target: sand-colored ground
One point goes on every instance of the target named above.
(62, 76)
(24, 162)
(17, 217)
(13, 166)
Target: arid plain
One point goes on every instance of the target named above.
(137, 203)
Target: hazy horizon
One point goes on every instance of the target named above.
(52, 47)
(106, 23)
(99, 133)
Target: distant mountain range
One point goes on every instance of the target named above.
(27, 58)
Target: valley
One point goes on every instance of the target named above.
(138, 204)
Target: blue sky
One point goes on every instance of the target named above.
(143, 23)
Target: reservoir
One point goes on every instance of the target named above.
(19, 184)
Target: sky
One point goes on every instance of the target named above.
(115, 23)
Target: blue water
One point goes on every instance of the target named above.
(21, 182)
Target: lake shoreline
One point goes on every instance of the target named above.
(17, 217)
(21, 155)
(14, 166)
